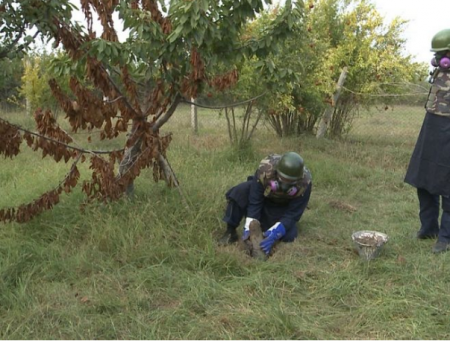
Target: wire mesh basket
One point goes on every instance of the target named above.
(369, 243)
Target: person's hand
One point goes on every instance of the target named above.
(246, 233)
(273, 234)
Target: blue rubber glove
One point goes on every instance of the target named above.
(273, 234)
(246, 233)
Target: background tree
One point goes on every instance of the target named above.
(334, 34)
(371, 49)
(282, 75)
(37, 73)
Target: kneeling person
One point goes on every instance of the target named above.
(276, 196)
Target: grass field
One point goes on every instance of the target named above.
(150, 268)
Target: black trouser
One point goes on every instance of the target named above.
(429, 215)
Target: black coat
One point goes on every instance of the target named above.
(429, 167)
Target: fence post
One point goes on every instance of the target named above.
(326, 117)
(194, 120)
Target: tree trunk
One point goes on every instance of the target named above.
(129, 157)
(132, 152)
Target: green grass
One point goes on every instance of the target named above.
(150, 269)
(395, 124)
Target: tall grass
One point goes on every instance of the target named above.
(150, 268)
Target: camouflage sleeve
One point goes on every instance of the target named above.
(266, 168)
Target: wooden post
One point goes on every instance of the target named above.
(194, 120)
(326, 117)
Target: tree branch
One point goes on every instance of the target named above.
(85, 151)
(164, 118)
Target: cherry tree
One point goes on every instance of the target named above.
(130, 86)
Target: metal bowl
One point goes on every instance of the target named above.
(369, 243)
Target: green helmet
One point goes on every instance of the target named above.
(441, 41)
(291, 166)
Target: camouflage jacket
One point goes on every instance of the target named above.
(438, 101)
(266, 172)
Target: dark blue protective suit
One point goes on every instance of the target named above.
(253, 199)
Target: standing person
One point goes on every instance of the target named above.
(276, 196)
(429, 168)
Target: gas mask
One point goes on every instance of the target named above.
(440, 59)
(289, 188)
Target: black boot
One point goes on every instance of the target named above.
(230, 236)
(422, 235)
(441, 247)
